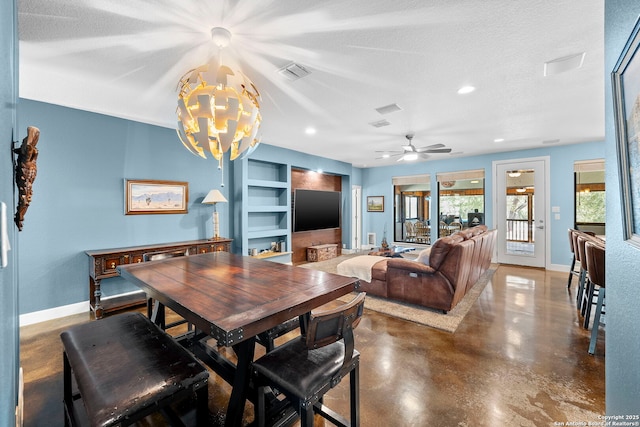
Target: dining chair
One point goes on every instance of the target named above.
(455, 226)
(444, 229)
(154, 310)
(306, 367)
(591, 290)
(580, 238)
(572, 268)
(422, 233)
(595, 259)
(410, 231)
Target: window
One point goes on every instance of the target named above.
(590, 200)
(460, 200)
(412, 201)
(410, 207)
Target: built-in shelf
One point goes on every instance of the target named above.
(266, 207)
(270, 254)
(265, 183)
(257, 234)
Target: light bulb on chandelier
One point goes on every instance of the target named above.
(218, 109)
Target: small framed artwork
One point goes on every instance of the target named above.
(375, 203)
(625, 80)
(156, 197)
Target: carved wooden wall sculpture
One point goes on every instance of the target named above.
(26, 170)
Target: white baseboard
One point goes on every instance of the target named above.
(53, 313)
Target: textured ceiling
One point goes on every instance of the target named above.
(124, 58)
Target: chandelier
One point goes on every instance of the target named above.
(218, 109)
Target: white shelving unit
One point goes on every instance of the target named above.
(266, 208)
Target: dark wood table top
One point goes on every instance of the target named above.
(233, 297)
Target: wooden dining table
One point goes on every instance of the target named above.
(233, 299)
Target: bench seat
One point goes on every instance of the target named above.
(127, 368)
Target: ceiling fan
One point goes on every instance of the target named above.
(410, 152)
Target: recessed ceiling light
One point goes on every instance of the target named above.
(310, 131)
(498, 140)
(466, 89)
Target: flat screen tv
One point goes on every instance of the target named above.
(316, 209)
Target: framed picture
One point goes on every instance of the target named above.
(626, 105)
(375, 203)
(156, 197)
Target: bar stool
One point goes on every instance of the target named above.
(580, 239)
(307, 367)
(595, 259)
(572, 269)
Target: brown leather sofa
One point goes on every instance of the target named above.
(454, 265)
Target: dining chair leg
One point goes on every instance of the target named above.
(582, 278)
(587, 304)
(260, 409)
(596, 322)
(573, 265)
(354, 383)
(306, 416)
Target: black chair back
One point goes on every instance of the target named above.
(329, 326)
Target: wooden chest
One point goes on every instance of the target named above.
(322, 252)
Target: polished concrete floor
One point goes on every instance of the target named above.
(519, 358)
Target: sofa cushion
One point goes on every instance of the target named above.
(379, 270)
(441, 248)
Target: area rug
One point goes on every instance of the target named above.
(433, 318)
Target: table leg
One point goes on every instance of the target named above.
(94, 295)
(245, 352)
(157, 314)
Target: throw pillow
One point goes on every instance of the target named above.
(423, 256)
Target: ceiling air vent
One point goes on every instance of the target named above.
(380, 123)
(551, 141)
(294, 71)
(387, 109)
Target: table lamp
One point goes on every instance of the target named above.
(215, 196)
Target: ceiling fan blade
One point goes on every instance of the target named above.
(437, 150)
(389, 151)
(390, 156)
(430, 147)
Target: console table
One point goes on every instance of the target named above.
(322, 252)
(103, 263)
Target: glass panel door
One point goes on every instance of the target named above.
(521, 221)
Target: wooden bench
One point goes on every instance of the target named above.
(125, 369)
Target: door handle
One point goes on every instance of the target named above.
(540, 227)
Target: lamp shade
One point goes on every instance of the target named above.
(214, 196)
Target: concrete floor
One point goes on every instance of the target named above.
(519, 358)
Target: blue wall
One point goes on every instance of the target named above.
(78, 201)
(377, 181)
(623, 261)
